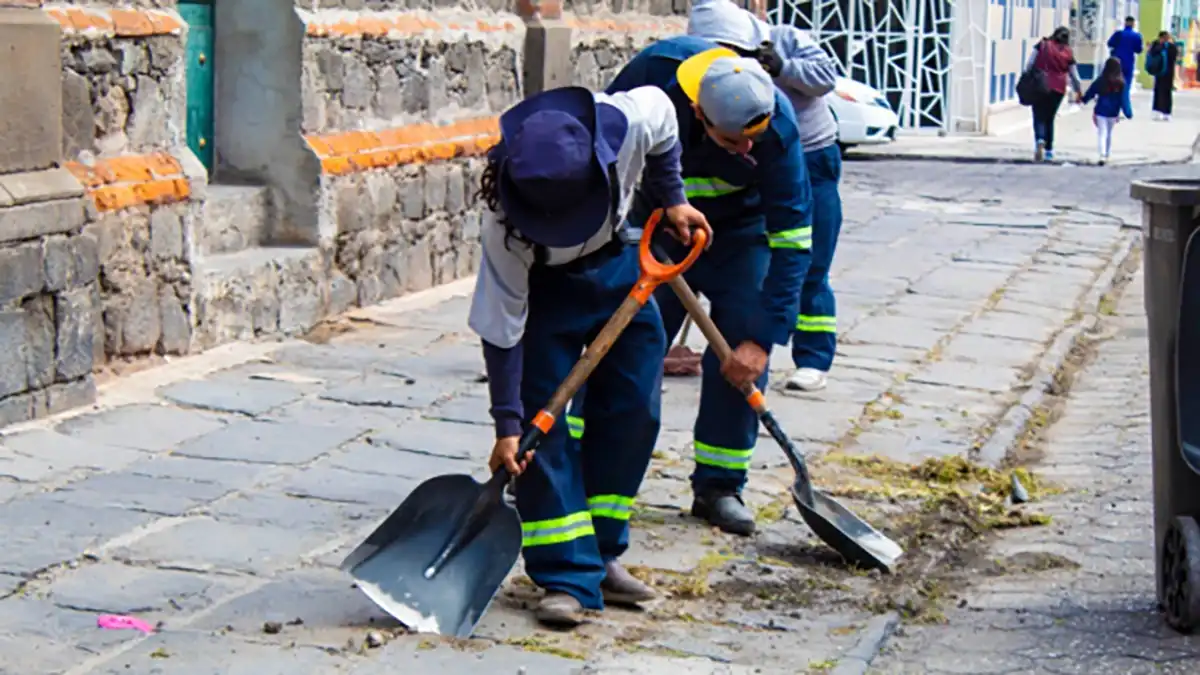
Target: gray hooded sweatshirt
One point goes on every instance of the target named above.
(808, 72)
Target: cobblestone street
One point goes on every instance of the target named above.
(216, 495)
(1091, 606)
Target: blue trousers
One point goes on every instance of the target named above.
(576, 497)
(731, 276)
(814, 340)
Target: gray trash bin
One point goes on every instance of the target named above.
(1172, 265)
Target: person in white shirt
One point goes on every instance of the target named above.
(557, 262)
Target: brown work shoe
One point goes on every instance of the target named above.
(559, 610)
(622, 588)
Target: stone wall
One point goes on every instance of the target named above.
(356, 186)
(124, 115)
(399, 107)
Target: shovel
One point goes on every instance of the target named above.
(836, 525)
(438, 560)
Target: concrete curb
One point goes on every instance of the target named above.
(1017, 418)
(858, 659)
(985, 159)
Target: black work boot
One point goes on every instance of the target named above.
(725, 510)
(622, 588)
(559, 610)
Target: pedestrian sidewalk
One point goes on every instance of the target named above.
(1140, 140)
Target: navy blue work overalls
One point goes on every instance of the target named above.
(761, 214)
(576, 498)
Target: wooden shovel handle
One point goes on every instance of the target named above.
(715, 340)
(654, 274)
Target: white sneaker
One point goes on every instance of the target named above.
(806, 379)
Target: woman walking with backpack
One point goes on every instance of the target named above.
(1160, 63)
(1055, 60)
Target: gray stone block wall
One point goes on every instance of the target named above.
(122, 95)
(145, 280)
(408, 228)
(48, 298)
(365, 83)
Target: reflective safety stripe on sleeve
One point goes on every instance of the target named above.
(799, 238)
(616, 507)
(575, 426)
(710, 188)
(816, 324)
(725, 458)
(557, 530)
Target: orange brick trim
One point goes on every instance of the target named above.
(352, 151)
(397, 25)
(121, 182)
(378, 24)
(99, 22)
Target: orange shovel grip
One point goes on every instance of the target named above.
(656, 273)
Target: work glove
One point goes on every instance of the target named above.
(771, 61)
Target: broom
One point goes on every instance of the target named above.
(682, 361)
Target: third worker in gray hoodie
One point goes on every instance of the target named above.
(804, 72)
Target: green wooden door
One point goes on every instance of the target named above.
(199, 17)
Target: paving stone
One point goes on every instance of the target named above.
(465, 409)
(143, 427)
(808, 420)
(895, 331)
(249, 397)
(9, 583)
(386, 392)
(39, 532)
(442, 439)
(341, 356)
(958, 373)
(877, 357)
(128, 490)
(321, 412)
(336, 485)
(227, 474)
(1012, 326)
(204, 544)
(992, 351)
(38, 454)
(113, 588)
(201, 654)
(267, 442)
(959, 281)
(380, 458)
(316, 606)
(37, 637)
(276, 509)
(409, 653)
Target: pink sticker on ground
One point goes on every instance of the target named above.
(115, 622)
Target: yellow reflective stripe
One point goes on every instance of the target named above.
(708, 187)
(800, 238)
(575, 426)
(617, 507)
(557, 530)
(816, 324)
(726, 458)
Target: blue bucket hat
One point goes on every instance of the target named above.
(557, 150)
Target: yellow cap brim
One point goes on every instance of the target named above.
(692, 71)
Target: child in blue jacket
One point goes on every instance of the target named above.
(1111, 101)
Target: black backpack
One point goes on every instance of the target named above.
(1031, 86)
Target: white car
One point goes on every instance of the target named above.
(863, 114)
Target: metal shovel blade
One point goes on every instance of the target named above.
(849, 535)
(390, 565)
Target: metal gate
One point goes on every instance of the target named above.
(903, 48)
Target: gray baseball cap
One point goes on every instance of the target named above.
(735, 94)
